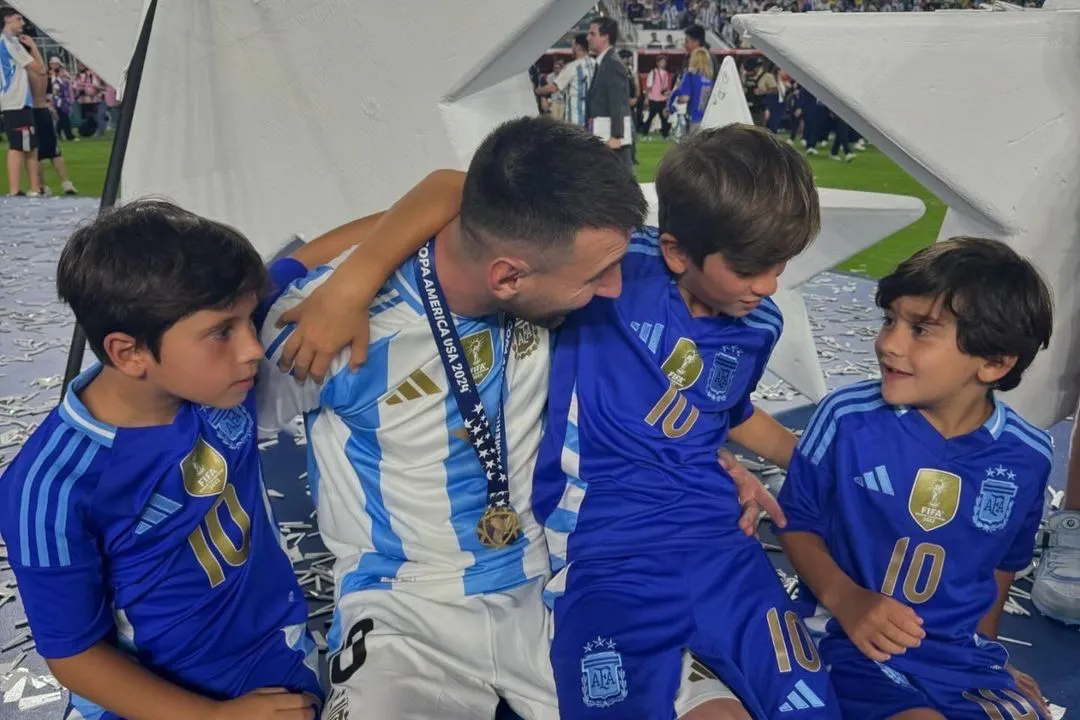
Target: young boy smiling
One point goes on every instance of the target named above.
(912, 501)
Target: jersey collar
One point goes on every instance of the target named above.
(989, 431)
(74, 413)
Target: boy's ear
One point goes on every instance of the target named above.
(993, 369)
(677, 260)
(127, 355)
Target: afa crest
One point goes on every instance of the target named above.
(204, 470)
(479, 353)
(935, 496)
(603, 679)
(526, 339)
(683, 366)
(995, 501)
(232, 425)
(722, 375)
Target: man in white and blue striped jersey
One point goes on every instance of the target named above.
(421, 462)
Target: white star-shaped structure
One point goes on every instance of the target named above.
(297, 116)
(850, 222)
(999, 147)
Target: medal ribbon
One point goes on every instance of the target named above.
(490, 447)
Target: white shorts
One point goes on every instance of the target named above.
(410, 658)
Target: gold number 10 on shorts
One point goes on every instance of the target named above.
(234, 556)
(797, 638)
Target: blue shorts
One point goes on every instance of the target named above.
(621, 627)
(869, 690)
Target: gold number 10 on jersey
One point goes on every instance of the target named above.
(923, 552)
(234, 556)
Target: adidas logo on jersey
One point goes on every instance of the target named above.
(801, 698)
(159, 508)
(416, 385)
(650, 333)
(876, 480)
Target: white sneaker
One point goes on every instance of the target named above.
(33, 194)
(1057, 581)
(69, 188)
(860, 144)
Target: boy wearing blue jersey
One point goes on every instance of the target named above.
(642, 522)
(912, 501)
(135, 516)
(644, 389)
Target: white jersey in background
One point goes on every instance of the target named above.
(399, 489)
(14, 81)
(574, 81)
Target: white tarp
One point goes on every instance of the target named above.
(1001, 147)
(294, 116)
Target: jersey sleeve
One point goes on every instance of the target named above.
(643, 257)
(1023, 547)
(19, 53)
(808, 487)
(279, 396)
(54, 553)
(282, 273)
(767, 319)
(562, 80)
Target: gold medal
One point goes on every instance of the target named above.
(499, 527)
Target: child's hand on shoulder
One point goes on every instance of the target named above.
(268, 704)
(878, 625)
(333, 317)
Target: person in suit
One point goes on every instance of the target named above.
(608, 103)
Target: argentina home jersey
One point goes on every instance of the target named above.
(159, 540)
(922, 519)
(642, 397)
(398, 487)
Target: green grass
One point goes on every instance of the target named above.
(870, 171)
(86, 161)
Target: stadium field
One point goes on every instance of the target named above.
(870, 171)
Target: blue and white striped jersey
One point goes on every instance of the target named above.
(574, 81)
(398, 487)
(921, 518)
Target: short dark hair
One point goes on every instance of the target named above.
(6, 12)
(739, 191)
(582, 41)
(607, 26)
(696, 32)
(141, 267)
(1000, 301)
(538, 182)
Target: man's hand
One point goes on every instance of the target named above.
(268, 704)
(614, 143)
(28, 42)
(753, 496)
(877, 624)
(331, 318)
(1030, 689)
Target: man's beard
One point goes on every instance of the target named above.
(541, 317)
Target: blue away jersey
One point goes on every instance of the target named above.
(923, 519)
(159, 540)
(642, 397)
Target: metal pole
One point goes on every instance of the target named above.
(116, 164)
